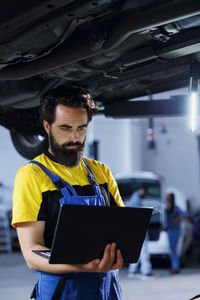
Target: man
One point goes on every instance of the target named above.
(174, 218)
(66, 113)
(144, 260)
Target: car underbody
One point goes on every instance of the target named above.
(119, 50)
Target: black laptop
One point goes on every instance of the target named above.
(82, 232)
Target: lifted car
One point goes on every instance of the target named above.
(117, 49)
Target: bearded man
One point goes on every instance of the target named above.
(65, 112)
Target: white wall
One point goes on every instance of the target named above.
(10, 160)
(137, 142)
(115, 144)
(175, 157)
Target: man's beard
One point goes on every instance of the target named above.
(68, 157)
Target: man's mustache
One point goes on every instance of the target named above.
(72, 144)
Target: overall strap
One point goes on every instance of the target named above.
(91, 177)
(57, 180)
(59, 289)
(97, 188)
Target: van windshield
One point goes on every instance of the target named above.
(129, 185)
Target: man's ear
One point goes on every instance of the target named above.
(46, 126)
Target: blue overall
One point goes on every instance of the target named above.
(174, 233)
(78, 286)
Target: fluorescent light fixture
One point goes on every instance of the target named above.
(193, 111)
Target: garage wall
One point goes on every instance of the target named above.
(137, 142)
(175, 156)
(116, 143)
(10, 160)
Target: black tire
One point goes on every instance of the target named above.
(29, 146)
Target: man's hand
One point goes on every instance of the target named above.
(31, 238)
(107, 262)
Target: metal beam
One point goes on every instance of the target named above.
(179, 106)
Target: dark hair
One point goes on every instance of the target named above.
(144, 187)
(172, 198)
(72, 96)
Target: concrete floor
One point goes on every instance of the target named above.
(16, 281)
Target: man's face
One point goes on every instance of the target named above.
(142, 192)
(67, 134)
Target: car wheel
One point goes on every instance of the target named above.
(29, 146)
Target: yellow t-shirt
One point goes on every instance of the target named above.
(36, 198)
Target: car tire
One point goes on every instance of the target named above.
(29, 146)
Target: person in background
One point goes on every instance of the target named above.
(174, 217)
(144, 261)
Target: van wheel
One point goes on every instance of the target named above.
(29, 146)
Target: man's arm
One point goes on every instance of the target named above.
(134, 200)
(30, 236)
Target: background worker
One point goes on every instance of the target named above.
(66, 113)
(174, 217)
(144, 262)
